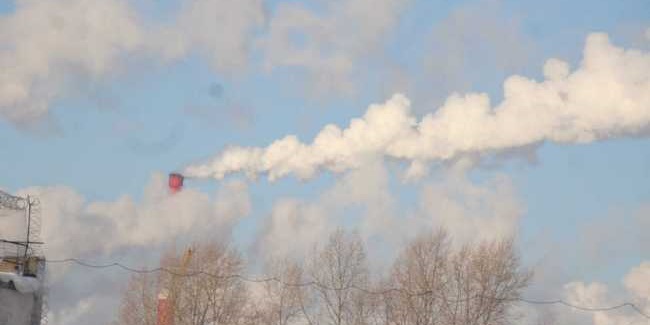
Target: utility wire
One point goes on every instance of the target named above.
(193, 273)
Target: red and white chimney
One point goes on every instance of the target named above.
(165, 312)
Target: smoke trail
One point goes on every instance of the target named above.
(607, 96)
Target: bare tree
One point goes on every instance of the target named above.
(217, 298)
(483, 282)
(139, 302)
(430, 283)
(212, 296)
(284, 299)
(420, 274)
(475, 284)
(339, 270)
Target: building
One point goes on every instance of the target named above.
(22, 265)
(21, 298)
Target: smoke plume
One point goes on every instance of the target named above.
(607, 96)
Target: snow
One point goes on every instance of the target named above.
(23, 284)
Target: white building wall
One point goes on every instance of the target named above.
(15, 307)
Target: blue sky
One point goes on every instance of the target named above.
(105, 136)
(108, 139)
(154, 101)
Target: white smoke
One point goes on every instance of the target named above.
(608, 95)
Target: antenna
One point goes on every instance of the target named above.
(30, 246)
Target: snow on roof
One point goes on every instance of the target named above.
(22, 284)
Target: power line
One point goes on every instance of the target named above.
(594, 309)
(194, 273)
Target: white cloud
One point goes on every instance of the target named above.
(295, 226)
(597, 295)
(105, 227)
(328, 45)
(52, 48)
(478, 40)
(637, 282)
(73, 314)
(127, 230)
(45, 44)
(220, 30)
(607, 96)
(604, 243)
(581, 294)
(292, 229)
(470, 211)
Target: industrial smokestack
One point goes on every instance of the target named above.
(175, 182)
(165, 314)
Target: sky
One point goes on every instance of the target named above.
(291, 118)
